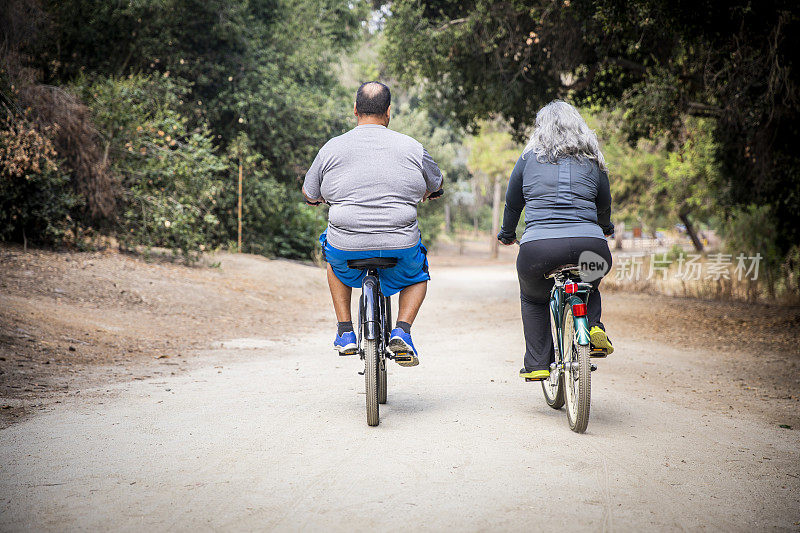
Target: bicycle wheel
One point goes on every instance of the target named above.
(382, 390)
(553, 387)
(382, 380)
(577, 377)
(371, 372)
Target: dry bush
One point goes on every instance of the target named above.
(77, 141)
(728, 287)
(53, 110)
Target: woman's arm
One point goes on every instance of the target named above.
(603, 204)
(515, 202)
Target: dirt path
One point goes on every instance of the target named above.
(266, 430)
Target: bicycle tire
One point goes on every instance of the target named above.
(553, 398)
(554, 394)
(577, 388)
(382, 384)
(382, 381)
(371, 371)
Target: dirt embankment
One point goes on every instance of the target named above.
(72, 320)
(69, 321)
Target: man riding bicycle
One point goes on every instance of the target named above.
(373, 178)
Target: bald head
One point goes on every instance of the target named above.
(373, 99)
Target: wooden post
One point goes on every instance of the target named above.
(239, 238)
(619, 232)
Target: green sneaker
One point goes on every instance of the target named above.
(534, 375)
(600, 340)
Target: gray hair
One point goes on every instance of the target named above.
(560, 131)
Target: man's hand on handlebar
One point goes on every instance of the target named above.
(433, 195)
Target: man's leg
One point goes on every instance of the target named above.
(410, 301)
(340, 293)
(345, 342)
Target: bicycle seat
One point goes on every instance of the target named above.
(563, 269)
(372, 262)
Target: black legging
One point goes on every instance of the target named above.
(535, 259)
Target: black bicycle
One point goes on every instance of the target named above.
(374, 328)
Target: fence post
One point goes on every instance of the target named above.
(239, 238)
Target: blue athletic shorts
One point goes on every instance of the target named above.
(411, 268)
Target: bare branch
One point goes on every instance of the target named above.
(453, 22)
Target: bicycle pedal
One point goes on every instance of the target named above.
(405, 359)
(348, 352)
(593, 367)
(600, 354)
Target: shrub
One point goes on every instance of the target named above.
(753, 230)
(276, 222)
(35, 197)
(168, 173)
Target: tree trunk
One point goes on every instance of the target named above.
(495, 218)
(447, 218)
(698, 245)
(619, 231)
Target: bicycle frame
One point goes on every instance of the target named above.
(374, 313)
(371, 302)
(559, 300)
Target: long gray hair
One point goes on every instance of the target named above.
(560, 131)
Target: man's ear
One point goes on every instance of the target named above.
(354, 110)
(388, 114)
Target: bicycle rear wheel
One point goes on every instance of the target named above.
(371, 371)
(553, 387)
(577, 377)
(382, 385)
(382, 380)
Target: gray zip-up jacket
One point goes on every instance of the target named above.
(568, 199)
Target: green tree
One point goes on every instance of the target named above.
(445, 145)
(168, 173)
(492, 155)
(730, 62)
(263, 67)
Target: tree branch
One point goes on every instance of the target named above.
(699, 109)
(453, 22)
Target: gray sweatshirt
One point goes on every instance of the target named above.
(567, 199)
(373, 178)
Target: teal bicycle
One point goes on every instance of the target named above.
(570, 380)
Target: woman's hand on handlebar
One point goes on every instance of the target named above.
(505, 241)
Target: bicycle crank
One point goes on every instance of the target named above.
(575, 366)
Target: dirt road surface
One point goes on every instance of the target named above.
(266, 429)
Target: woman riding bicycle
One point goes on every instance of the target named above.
(561, 181)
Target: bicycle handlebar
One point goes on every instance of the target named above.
(436, 194)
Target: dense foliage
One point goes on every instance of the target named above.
(35, 199)
(168, 174)
(161, 101)
(661, 62)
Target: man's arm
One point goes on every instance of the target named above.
(603, 204)
(313, 182)
(433, 176)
